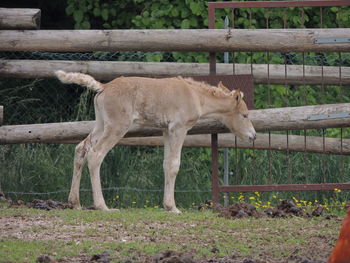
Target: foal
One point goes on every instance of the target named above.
(172, 104)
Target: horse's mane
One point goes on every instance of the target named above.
(214, 91)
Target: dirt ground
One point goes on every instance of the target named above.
(29, 228)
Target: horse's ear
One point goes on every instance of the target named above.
(237, 95)
(222, 86)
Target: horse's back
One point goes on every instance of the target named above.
(168, 91)
(152, 101)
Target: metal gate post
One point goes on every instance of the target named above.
(214, 137)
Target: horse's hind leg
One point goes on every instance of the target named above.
(110, 137)
(80, 157)
(79, 161)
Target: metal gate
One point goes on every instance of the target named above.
(302, 81)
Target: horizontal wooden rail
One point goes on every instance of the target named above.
(198, 40)
(279, 119)
(295, 143)
(19, 18)
(108, 70)
(284, 187)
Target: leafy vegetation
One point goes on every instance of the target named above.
(187, 14)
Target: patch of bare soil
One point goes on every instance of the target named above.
(48, 205)
(285, 209)
(170, 256)
(36, 204)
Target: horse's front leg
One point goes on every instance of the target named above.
(173, 141)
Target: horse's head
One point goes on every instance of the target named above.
(237, 119)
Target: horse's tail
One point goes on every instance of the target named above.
(79, 78)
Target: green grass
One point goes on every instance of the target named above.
(70, 235)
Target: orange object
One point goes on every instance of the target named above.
(341, 251)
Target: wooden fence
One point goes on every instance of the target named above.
(197, 40)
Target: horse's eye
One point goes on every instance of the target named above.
(245, 116)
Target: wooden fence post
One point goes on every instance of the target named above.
(19, 18)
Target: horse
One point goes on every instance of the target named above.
(172, 104)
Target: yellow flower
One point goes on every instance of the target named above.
(134, 202)
(257, 193)
(147, 201)
(156, 206)
(275, 197)
(252, 198)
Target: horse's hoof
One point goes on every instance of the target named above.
(76, 206)
(113, 210)
(175, 211)
(105, 208)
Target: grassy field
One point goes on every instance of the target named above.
(137, 235)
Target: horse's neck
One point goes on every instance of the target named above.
(212, 105)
